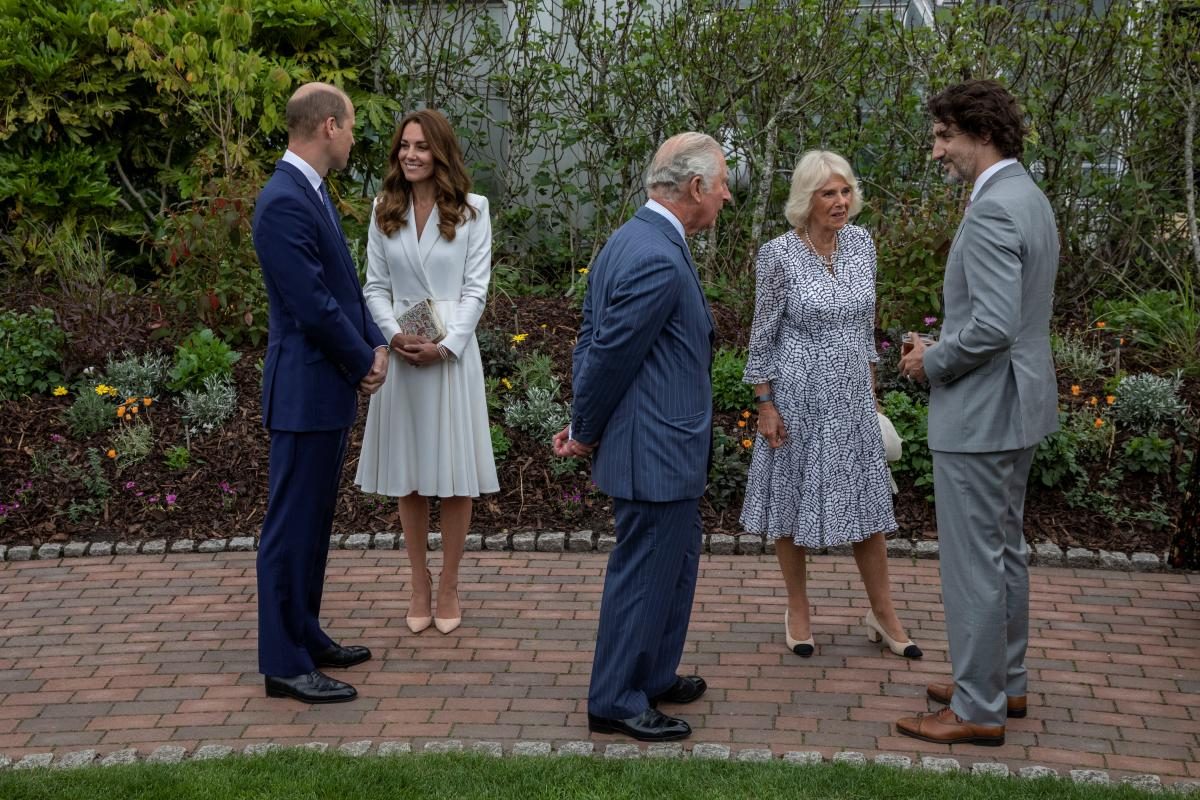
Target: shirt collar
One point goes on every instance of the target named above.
(659, 208)
(987, 173)
(304, 167)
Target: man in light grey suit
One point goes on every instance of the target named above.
(992, 398)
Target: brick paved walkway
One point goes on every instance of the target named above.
(139, 651)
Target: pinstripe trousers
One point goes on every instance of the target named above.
(646, 606)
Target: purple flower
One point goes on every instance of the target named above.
(27, 486)
(54, 437)
(130, 485)
(171, 499)
(930, 321)
(153, 499)
(139, 494)
(885, 345)
(227, 489)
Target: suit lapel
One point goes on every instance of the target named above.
(415, 249)
(318, 207)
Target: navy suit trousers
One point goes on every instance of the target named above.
(646, 606)
(305, 470)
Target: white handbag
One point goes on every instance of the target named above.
(892, 443)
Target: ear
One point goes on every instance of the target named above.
(696, 187)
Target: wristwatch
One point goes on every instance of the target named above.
(768, 397)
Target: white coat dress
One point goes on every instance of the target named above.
(427, 428)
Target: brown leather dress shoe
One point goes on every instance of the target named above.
(946, 727)
(942, 692)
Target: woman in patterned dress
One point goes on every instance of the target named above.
(818, 477)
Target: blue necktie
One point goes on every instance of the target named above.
(328, 204)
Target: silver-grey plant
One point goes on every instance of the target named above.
(1146, 401)
(206, 409)
(539, 414)
(138, 376)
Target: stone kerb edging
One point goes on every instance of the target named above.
(1043, 554)
(174, 754)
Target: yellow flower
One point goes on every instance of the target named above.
(1075, 390)
(104, 389)
(111, 453)
(506, 382)
(1099, 423)
(59, 391)
(583, 270)
(745, 415)
(741, 423)
(1101, 324)
(746, 443)
(517, 338)
(1110, 398)
(1092, 401)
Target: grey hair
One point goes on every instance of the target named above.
(816, 167)
(679, 159)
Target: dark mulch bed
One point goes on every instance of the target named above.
(236, 455)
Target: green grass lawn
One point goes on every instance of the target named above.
(300, 775)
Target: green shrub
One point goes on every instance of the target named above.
(178, 457)
(133, 444)
(911, 417)
(536, 369)
(200, 356)
(1064, 453)
(1166, 324)
(206, 409)
(1150, 454)
(727, 474)
(89, 413)
(138, 376)
(1145, 402)
(729, 393)
(29, 359)
(539, 415)
(500, 443)
(499, 356)
(1074, 357)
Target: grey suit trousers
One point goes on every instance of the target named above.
(980, 501)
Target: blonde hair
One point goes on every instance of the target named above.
(816, 167)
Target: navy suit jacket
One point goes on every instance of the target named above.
(321, 338)
(642, 366)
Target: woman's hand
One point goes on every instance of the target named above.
(770, 425)
(421, 353)
(402, 340)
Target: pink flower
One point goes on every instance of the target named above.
(130, 485)
(171, 499)
(54, 437)
(885, 345)
(930, 320)
(153, 499)
(139, 494)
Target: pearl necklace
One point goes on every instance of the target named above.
(828, 260)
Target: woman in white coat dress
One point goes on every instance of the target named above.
(427, 429)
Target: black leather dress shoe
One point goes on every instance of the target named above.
(338, 656)
(649, 726)
(315, 687)
(685, 690)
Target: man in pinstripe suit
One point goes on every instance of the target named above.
(643, 404)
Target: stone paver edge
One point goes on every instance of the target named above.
(174, 754)
(1042, 554)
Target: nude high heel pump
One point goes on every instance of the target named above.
(418, 624)
(801, 647)
(875, 632)
(448, 624)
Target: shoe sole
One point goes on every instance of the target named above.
(310, 701)
(353, 663)
(599, 728)
(983, 741)
(1019, 713)
(654, 701)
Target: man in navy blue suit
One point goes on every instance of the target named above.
(643, 406)
(322, 349)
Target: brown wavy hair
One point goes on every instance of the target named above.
(982, 108)
(450, 178)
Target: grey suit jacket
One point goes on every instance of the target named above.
(991, 375)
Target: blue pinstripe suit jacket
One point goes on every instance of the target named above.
(642, 365)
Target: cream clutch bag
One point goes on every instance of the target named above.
(422, 319)
(892, 443)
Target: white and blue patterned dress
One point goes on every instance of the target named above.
(813, 341)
